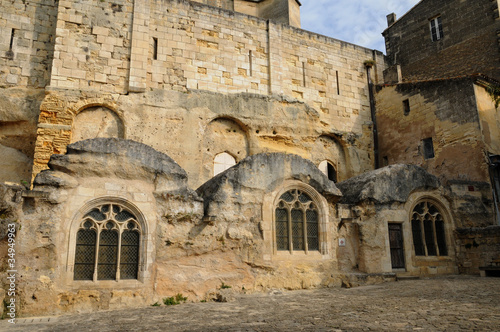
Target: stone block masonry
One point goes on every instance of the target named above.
(27, 36)
(153, 45)
(469, 44)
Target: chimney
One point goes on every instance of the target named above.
(391, 18)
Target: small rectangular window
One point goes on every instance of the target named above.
(385, 161)
(428, 148)
(406, 106)
(436, 28)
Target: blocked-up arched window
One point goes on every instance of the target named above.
(107, 244)
(296, 222)
(428, 229)
(223, 161)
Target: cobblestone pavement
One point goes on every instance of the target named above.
(443, 304)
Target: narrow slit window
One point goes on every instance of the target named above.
(406, 106)
(428, 148)
(338, 84)
(250, 62)
(12, 34)
(303, 74)
(155, 48)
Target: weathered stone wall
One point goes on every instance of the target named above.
(194, 127)
(191, 242)
(319, 82)
(470, 44)
(478, 247)
(374, 200)
(489, 119)
(27, 36)
(445, 111)
(19, 112)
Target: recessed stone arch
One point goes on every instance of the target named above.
(443, 262)
(96, 121)
(222, 135)
(329, 149)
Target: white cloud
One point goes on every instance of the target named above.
(357, 21)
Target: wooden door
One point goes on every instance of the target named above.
(396, 243)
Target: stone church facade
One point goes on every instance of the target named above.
(175, 146)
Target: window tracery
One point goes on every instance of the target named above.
(107, 244)
(296, 222)
(428, 229)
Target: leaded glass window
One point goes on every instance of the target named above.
(428, 230)
(107, 244)
(296, 222)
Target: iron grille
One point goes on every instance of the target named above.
(85, 254)
(428, 230)
(304, 198)
(124, 215)
(303, 222)
(297, 229)
(289, 196)
(108, 255)
(96, 214)
(109, 222)
(312, 230)
(129, 257)
(282, 229)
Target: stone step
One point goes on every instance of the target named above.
(403, 277)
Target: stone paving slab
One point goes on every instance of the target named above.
(456, 303)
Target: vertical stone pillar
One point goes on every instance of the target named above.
(140, 46)
(275, 57)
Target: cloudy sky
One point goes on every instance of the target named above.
(357, 21)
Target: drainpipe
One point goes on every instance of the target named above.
(368, 65)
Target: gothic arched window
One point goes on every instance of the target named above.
(296, 222)
(428, 229)
(107, 244)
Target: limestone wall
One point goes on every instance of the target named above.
(301, 86)
(478, 247)
(190, 243)
(27, 37)
(377, 200)
(489, 119)
(447, 113)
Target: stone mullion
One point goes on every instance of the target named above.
(435, 234)
(99, 228)
(120, 231)
(290, 234)
(304, 227)
(422, 232)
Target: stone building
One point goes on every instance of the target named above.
(438, 109)
(176, 146)
(444, 39)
